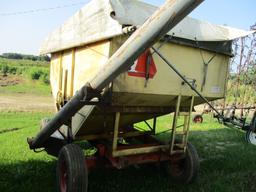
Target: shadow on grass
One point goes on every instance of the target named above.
(227, 164)
(146, 178)
(9, 130)
(30, 176)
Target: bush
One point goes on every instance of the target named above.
(5, 69)
(39, 74)
(35, 74)
(45, 78)
(12, 70)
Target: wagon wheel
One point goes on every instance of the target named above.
(72, 174)
(184, 170)
(198, 119)
(251, 137)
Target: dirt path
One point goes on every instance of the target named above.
(24, 102)
(10, 80)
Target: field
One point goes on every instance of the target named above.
(227, 161)
(23, 81)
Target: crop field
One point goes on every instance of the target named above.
(227, 161)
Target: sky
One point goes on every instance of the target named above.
(22, 30)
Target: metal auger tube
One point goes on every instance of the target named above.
(63, 116)
(161, 22)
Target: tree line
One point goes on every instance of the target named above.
(19, 56)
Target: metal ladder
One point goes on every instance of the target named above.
(179, 146)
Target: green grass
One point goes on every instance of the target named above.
(227, 162)
(20, 168)
(35, 70)
(27, 86)
(23, 63)
(17, 66)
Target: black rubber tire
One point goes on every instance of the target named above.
(185, 170)
(72, 174)
(250, 137)
(246, 136)
(198, 119)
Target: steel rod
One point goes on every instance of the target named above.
(186, 81)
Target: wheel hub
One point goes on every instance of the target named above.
(252, 138)
(63, 179)
(198, 120)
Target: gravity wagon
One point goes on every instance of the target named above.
(114, 65)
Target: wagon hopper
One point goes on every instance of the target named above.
(110, 69)
(143, 94)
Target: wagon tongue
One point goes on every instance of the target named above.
(160, 23)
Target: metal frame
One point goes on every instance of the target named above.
(173, 147)
(116, 127)
(241, 123)
(116, 152)
(110, 135)
(181, 146)
(152, 150)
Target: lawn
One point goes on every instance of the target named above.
(25, 86)
(227, 161)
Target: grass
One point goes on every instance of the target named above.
(23, 63)
(27, 86)
(227, 162)
(20, 168)
(35, 70)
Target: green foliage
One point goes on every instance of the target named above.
(242, 89)
(45, 78)
(35, 70)
(5, 69)
(247, 77)
(251, 75)
(39, 74)
(23, 63)
(12, 56)
(25, 57)
(241, 94)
